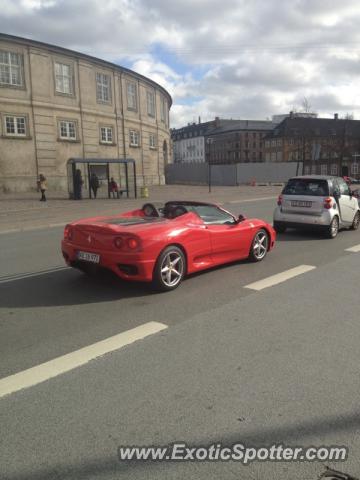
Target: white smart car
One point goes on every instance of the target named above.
(317, 202)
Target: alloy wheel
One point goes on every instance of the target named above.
(260, 245)
(172, 269)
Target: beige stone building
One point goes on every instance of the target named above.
(56, 104)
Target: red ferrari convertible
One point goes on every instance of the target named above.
(162, 245)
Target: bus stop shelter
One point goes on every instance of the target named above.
(122, 170)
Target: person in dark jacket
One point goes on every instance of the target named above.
(78, 183)
(94, 183)
(42, 186)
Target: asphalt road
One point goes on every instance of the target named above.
(279, 365)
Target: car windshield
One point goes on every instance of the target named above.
(307, 187)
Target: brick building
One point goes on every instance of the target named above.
(326, 146)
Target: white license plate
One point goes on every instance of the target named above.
(297, 203)
(88, 257)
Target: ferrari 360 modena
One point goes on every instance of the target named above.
(163, 244)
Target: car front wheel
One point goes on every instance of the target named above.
(259, 246)
(169, 269)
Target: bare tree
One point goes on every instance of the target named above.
(306, 106)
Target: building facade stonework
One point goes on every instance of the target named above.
(56, 104)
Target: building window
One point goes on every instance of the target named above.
(355, 168)
(134, 138)
(67, 130)
(106, 134)
(334, 169)
(323, 169)
(131, 96)
(163, 113)
(152, 140)
(279, 142)
(11, 73)
(150, 97)
(313, 169)
(15, 126)
(103, 87)
(63, 78)
(307, 170)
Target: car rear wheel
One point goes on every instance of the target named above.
(169, 269)
(356, 221)
(279, 227)
(333, 228)
(259, 246)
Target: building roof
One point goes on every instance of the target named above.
(219, 126)
(322, 127)
(65, 51)
(246, 125)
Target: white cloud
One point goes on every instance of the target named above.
(234, 59)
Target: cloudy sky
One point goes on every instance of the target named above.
(245, 59)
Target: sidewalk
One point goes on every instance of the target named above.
(23, 211)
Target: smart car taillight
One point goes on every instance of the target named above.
(328, 203)
(68, 233)
(279, 201)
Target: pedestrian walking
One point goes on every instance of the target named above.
(94, 183)
(42, 186)
(78, 183)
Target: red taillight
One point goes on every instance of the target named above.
(132, 243)
(68, 234)
(328, 203)
(119, 242)
(126, 242)
(279, 202)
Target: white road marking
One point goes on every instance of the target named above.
(247, 200)
(23, 276)
(354, 249)
(60, 365)
(280, 277)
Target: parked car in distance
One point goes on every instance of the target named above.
(162, 245)
(317, 202)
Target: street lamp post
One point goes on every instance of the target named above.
(209, 142)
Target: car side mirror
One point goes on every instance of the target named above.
(241, 218)
(337, 194)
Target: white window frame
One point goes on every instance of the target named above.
(355, 168)
(334, 169)
(134, 136)
(152, 140)
(131, 96)
(323, 169)
(11, 69)
(103, 87)
(19, 124)
(313, 169)
(70, 127)
(107, 134)
(64, 81)
(163, 110)
(307, 170)
(150, 101)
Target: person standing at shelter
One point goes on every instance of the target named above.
(78, 183)
(94, 183)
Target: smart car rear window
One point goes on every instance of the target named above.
(307, 187)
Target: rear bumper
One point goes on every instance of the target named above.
(290, 219)
(134, 266)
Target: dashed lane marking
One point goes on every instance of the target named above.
(65, 363)
(280, 277)
(354, 249)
